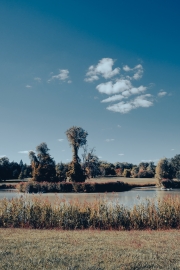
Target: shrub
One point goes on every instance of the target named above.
(145, 174)
(35, 187)
(127, 173)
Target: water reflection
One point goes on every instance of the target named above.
(127, 198)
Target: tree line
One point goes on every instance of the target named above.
(44, 168)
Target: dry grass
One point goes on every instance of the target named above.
(34, 212)
(94, 250)
(136, 181)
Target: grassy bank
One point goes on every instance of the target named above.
(92, 250)
(98, 214)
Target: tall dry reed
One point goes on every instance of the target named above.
(99, 214)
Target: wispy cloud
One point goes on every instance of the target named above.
(172, 149)
(37, 79)
(62, 76)
(103, 68)
(121, 154)
(109, 140)
(24, 152)
(125, 107)
(162, 93)
(118, 126)
(60, 140)
(28, 86)
(149, 160)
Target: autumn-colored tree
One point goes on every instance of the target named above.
(43, 166)
(77, 138)
(164, 170)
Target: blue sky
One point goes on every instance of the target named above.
(111, 67)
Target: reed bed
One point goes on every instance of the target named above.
(100, 214)
(87, 187)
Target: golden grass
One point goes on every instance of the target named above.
(93, 250)
(25, 212)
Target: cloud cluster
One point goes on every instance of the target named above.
(62, 76)
(103, 68)
(125, 107)
(120, 87)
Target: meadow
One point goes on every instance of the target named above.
(89, 249)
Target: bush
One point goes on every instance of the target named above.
(127, 173)
(60, 187)
(145, 174)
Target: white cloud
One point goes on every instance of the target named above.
(60, 140)
(69, 81)
(109, 140)
(109, 88)
(138, 71)
(121, 154)
(1, 156)
(99, 157)
(125, 94)
(63, 150)
(162, 94)
(113, 98)
(28, 86)
(172, 149)
(103, 68)
(118, 126)
(24, 152)
(62, 76)
(140, 101)
(37, 79)
(96, 98)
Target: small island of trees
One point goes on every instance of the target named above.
(43, 169)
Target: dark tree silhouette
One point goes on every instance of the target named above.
(43, 166)
(77, 138)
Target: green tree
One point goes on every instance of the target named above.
(4, 168)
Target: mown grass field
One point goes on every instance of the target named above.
(89, 249)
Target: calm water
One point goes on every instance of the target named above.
(127, 198)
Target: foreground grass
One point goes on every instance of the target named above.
(50, 249)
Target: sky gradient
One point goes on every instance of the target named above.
(111, 67)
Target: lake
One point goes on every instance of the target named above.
(127, 198)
